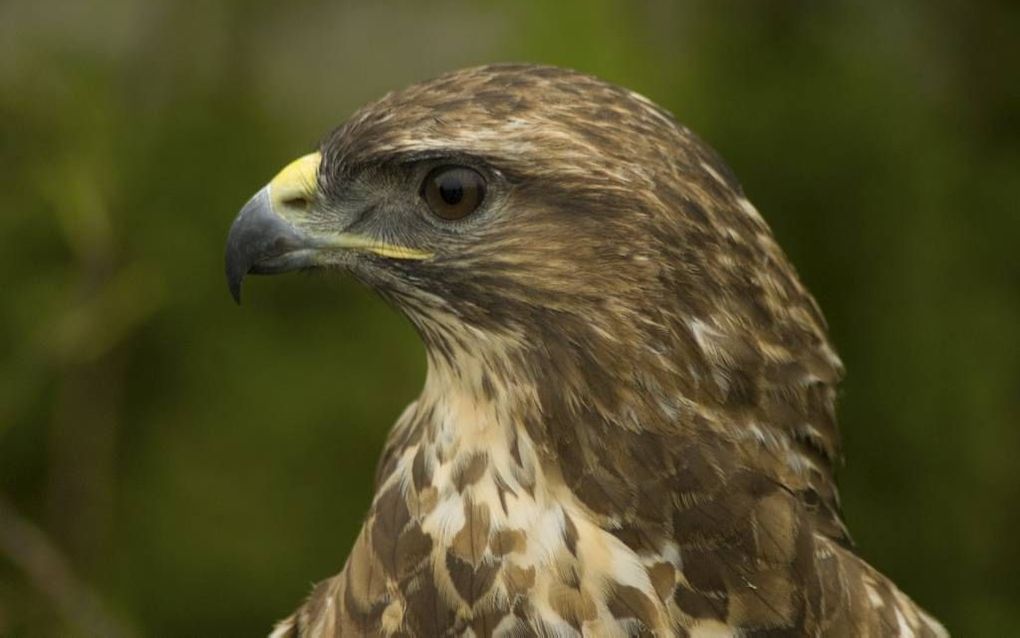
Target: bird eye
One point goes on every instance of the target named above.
(453, 192)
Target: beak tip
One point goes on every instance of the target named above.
(260, 241)
(252, 232)
(236, 269)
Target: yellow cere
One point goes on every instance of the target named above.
(297, 180)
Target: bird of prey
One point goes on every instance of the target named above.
(628, 425)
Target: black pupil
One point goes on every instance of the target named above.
(451, 189)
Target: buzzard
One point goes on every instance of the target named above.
(628, 423)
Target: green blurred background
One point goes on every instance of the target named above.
(173, 465)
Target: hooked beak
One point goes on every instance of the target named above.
(265, 238)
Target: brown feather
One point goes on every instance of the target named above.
(629, 419)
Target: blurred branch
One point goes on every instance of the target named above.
(28, 548)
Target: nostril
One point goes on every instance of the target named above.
(297, 201)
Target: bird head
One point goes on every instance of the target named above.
(572, 222)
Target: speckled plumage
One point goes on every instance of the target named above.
(628, 424)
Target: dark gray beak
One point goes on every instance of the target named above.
(263, 243)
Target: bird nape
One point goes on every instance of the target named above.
(628, 422)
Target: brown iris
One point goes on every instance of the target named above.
(453, 192)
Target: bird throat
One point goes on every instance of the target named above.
(471, 476)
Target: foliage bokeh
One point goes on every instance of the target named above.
(197, 466)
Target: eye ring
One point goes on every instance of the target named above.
(453, 192)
